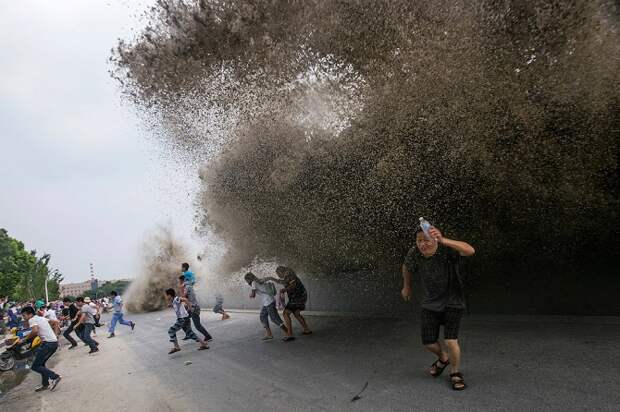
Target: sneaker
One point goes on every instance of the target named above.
(73, 346)
(111, 335)
(93, 351)
(55, 382)
(133, 325)
(41, 388)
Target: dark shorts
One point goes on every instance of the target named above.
(295, 306)
(431, 321)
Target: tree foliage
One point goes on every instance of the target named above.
(23, 273)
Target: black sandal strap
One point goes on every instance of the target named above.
(456, 374)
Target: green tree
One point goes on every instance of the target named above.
(22, 274)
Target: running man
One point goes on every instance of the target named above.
(187, 291)
(69, 313)
(268, 311)
(436, 261)
(41, 327)
(86, 323)
(178, 304)
(117, 315)
(297, 297)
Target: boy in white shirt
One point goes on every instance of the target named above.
(41, 327)
(183, 322)
(267, 292)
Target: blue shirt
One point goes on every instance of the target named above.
(189, 278)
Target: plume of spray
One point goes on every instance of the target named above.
(162, 256)
(328, 128)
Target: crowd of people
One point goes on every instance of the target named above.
(434, 259)
(61, 318)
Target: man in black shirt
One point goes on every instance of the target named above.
(435, 260)
(70, 313)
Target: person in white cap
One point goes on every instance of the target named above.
(87, 318)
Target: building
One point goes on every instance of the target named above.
(74, 289)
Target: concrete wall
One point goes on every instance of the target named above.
(516, 291)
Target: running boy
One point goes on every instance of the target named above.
(268, 311)
(183, 322)
(219, 307)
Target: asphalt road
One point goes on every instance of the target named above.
(510, 364)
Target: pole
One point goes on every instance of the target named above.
(47, 299)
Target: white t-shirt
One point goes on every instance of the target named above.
(263, 290)
(179, 308)
(51, 314)
(45, 330)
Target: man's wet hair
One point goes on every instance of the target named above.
(113, 293)
(249, 277)
(185, 266)
(28, 309)
(418, 230)
(170, 292)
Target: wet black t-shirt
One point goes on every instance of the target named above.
(441, 287)
(70, 311)
(296, 290)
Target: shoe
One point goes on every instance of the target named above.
(111, 335)
(73, 346)
(288, 338)
(93, 351)
(133, 325)
(267, 337)
(41, 388)
(55, 382)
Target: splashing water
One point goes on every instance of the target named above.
(327, 128)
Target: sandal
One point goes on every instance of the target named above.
(439, 369)
(173, 350)
(458, 384)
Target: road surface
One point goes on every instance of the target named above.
(510, 364)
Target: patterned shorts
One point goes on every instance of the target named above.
(431, 321)
(181, 323)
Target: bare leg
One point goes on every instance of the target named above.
(455, 354)
(301, 321)
(288, 322)
(439, 352)
(268, 333)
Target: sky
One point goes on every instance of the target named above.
(80, 176)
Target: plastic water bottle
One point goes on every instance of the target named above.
(426, 227)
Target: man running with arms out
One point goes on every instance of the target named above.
(117, 316)
(41, 327)
(297, 297)
(436, 262)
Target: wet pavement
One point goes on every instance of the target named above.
(510, 364)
